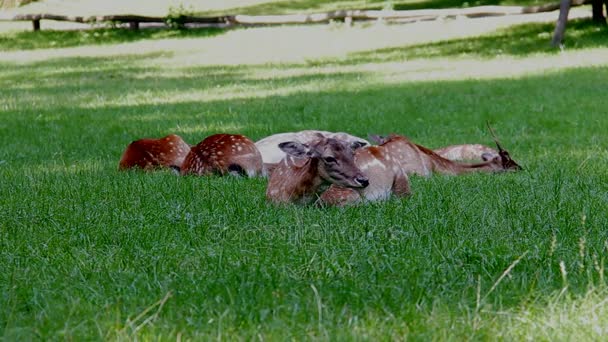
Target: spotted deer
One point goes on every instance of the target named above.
(147, 154)
(224, 154)
(272, 154)
(398, 157)
(308, 169)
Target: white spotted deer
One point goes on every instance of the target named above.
(398, 157)
(309, 169)
(224, 154)
(148, 154)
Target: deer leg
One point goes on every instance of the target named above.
(401, 185)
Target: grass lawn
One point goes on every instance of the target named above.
(87, 252)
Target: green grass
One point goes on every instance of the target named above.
(520, 40)
(87, 252)
(28, 40)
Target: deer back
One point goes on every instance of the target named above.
(169, 151)
(224, 154)
(466, 152)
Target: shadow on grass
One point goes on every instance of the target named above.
(519, 40)
(115, 97)
(28, 40)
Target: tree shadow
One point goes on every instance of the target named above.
(120, 103)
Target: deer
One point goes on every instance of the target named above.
(308, 169)
(397, 157)
(224, 154)
(149, 154)
(272, 154)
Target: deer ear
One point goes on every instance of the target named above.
(488, 156)
(357, 144)
(295, 149)
(378, 139)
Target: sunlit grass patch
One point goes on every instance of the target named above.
(519, 40)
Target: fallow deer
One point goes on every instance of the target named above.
(147, 154)
(423, 161)
(272, 154)
(385, 172)
(308, 169)
(224, 154)
(397, 157)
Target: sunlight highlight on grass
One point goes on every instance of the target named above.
(80, 167)
(562, 319)
(205, 128)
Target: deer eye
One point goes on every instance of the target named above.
(330, 160)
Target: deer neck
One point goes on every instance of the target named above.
(298, 180)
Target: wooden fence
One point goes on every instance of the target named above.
(341, 15)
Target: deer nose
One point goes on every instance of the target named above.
(364, 182)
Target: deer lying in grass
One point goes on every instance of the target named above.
(272, 154)
(397, 157)
(308, 169)
(224, 154)
(147, 154)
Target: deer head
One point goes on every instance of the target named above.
(334, 159)
(307, 168)
(505, 159)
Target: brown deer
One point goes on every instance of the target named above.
(224, 154)
(423, 161)
(307, 169)
(397, 157)
(272, 154)
(147, 154)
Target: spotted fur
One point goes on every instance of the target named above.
(147, 154)
(224, 154)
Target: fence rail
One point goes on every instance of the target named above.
(340, 15)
